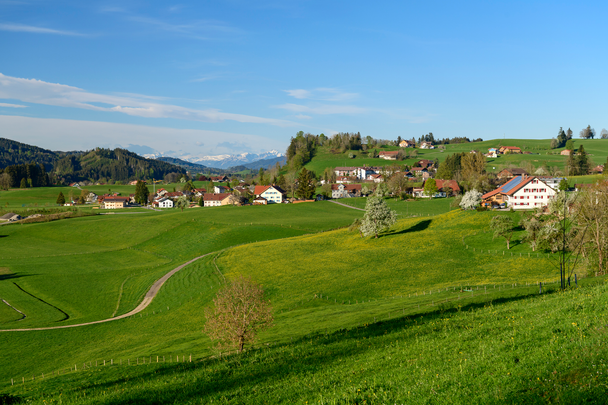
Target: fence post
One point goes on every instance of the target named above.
(540, 287)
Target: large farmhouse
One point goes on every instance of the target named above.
(272, 194)
(520, 193)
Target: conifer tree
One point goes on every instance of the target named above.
(60, 199)
(141, 192)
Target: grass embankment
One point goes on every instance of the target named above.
(540, 150)
(534, 350)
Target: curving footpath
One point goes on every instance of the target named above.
(152, 292)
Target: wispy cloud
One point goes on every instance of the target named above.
(35, 30)
(12, 105)
(322, 93)
(201, 29)
(40, 92)
(324, 109)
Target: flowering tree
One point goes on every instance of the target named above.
(238, 313)
(378, 217)
(471, 200)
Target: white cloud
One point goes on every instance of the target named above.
(61, 134)
(325, 109)
(303, 117)
(40, 92)
(298, 93)
(322, 93)
(12, 105)
(34, 30)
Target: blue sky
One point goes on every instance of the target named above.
(242, 76)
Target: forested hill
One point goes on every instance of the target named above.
(17, 153)
(95, 165)
(118, 165)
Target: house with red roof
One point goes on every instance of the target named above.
(445, 188)
(215, 200)
(345, 190)
(272, 194)
(388, 155)
(520, 193)
(509, 149)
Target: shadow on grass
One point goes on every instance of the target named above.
(420, 226)
(12, 275)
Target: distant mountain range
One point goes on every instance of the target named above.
(229, 162)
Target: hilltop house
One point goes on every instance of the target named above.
(426, 145)
(509, 149)
(521, 192)
(406, 144)
(388, 155)
(510, 173)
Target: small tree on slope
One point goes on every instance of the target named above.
(378, 217)
(502, 226)
(239, 311)
(60, 199)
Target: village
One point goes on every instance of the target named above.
(515, 188)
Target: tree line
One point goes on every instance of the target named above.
(24, 176)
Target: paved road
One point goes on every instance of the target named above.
(345, 205)
(146, 301)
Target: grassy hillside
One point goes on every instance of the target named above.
(540, 153)
(533, 350)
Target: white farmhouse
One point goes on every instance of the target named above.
(520, 193)
(272, 194)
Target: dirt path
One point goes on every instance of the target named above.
(146, 301)
(347, 206)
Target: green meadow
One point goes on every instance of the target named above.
(540, 152)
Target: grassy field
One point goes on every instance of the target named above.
(539, 149)
(18, 199)
(329, 288)
(467, 352)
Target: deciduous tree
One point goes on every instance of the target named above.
(238, 313)
(378, 217)
(471, 200)
(502, 226)
(181, 203)
(430, 187)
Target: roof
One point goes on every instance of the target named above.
(347, 187)
(510, 187)
(515, 171)
(261, 189)
(511, 147)
(215, 197)
(342, 168)
(450, 183)
(419, 169)
(389, 153)
(110, 199)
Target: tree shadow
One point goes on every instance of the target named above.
(12, 275)
(420, 226)
(3, 236)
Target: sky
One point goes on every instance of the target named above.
(217, 77)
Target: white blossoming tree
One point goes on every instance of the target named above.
(378, 217)
(471, 200)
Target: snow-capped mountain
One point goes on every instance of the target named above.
(216, 161)
(226, 161)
